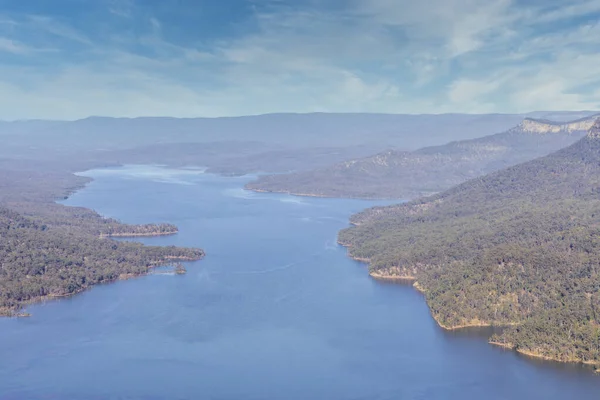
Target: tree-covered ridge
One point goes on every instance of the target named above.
(49, 250)
(39, 260)
(519, 247)
(404, 174)
(32, 193)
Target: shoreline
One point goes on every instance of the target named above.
(415, 284)
(19, 313)
(383, 277)
(475, 323)
(539, 356)
(129, 235)
(326, 196)
(395, 278)
(290, 193)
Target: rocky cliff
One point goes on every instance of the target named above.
(530, 125)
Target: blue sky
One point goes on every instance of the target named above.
(68, 59)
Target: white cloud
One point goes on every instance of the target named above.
(80, 91)
(375, 55)
(459, 26)
(568, 10)
(121, 8)
(10, 46)
(56, 28)
(565, 82)
(467, 91)
(16, 47)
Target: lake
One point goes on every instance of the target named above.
(275, 311)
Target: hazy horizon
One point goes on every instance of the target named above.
(531, 114)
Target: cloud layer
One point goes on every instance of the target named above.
(69, 59)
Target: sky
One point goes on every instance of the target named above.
(69, 59)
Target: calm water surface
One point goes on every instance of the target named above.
(275, 311)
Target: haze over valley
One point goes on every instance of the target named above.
(328, 200)
(408, 174)
(514, 248)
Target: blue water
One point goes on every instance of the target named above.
(275, 311)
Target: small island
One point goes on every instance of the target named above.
(180, 269)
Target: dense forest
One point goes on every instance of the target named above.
(517, 248)
(43, 261)
(49, 250)
(410, 174)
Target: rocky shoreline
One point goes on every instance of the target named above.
(320, 196)
(284, 192)
(141, 234)
(540, 356)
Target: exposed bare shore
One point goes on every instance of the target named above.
(286, 192)
(324, 196)
(399, 277)
(392, 278)
(131, 234)
(183, 258)
(541, 356)
(474, 323)
(419, 288)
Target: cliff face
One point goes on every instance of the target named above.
(530, 125)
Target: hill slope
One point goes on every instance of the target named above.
(44, 261)
(402, 174)
(517, 247)
(49, 250)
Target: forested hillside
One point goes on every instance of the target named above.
(404, 174)
(49, 250)
(518, 248)
(41, 261)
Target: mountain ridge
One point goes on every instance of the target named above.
(533, 125)
(408, 174)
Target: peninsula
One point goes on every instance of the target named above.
(50, 251)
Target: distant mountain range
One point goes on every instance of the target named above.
(518, 248)
(409, 174)
(283, 130)
(273, 142)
